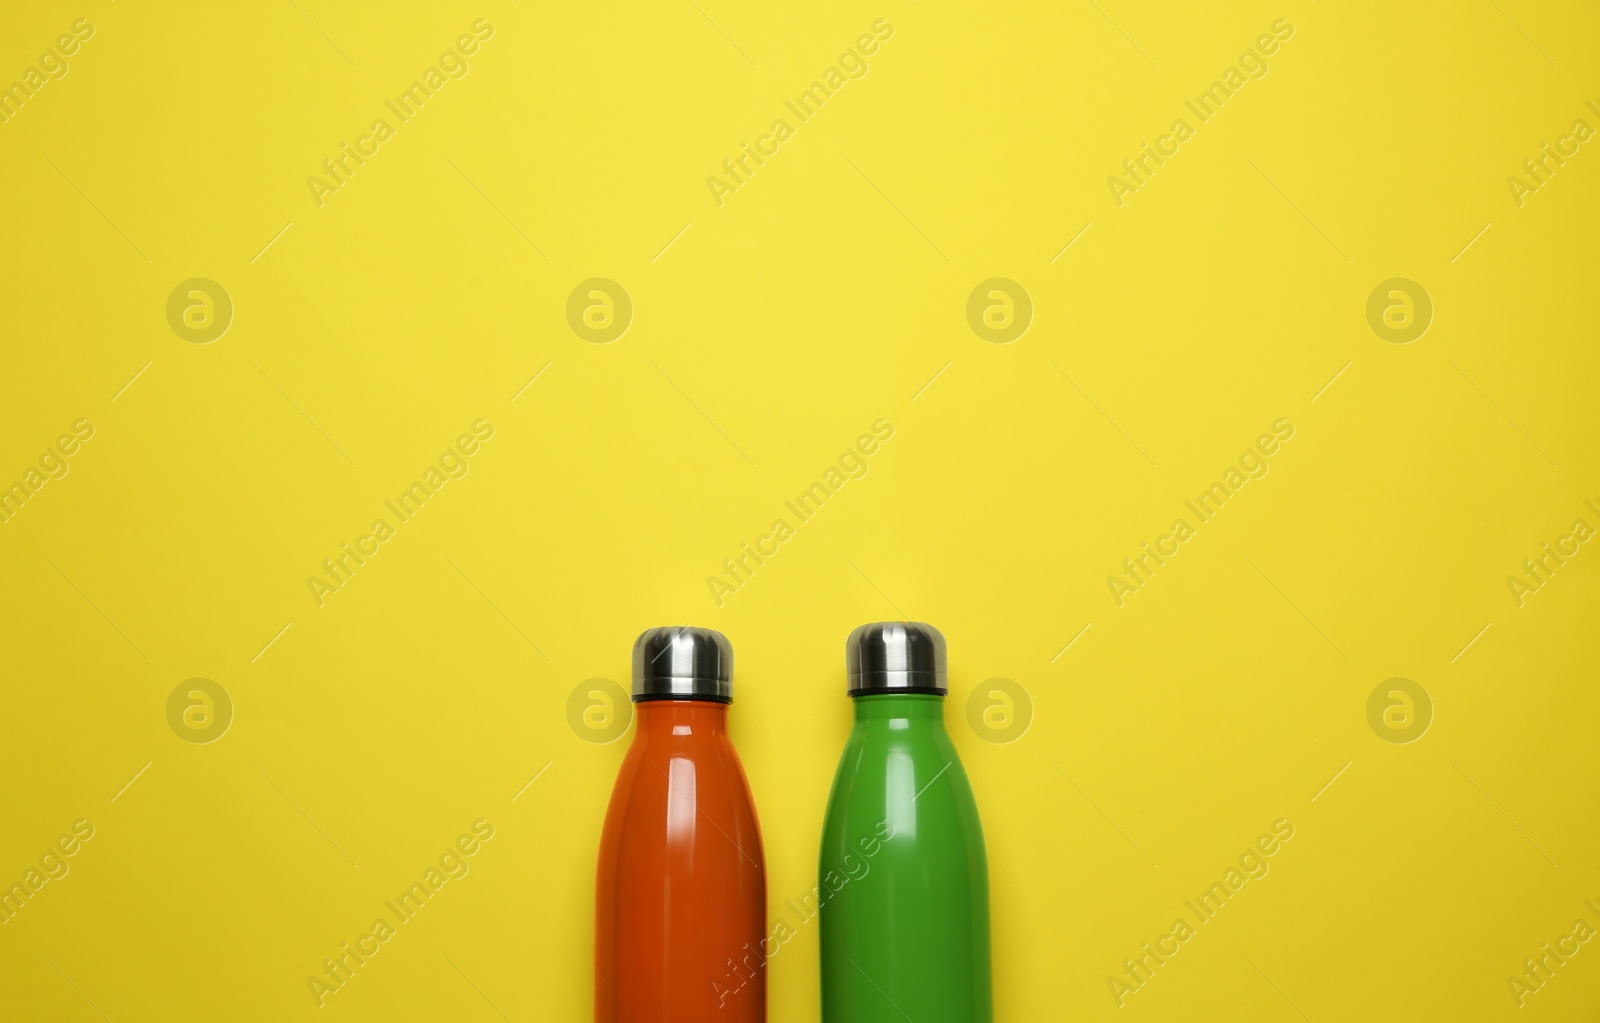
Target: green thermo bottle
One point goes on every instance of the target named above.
(903, 875)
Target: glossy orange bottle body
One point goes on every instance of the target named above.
(681, 891)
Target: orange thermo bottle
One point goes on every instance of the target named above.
(681, 890)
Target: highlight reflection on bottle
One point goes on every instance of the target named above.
(680, 891)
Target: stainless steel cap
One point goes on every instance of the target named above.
(682, 662)
(896, 657)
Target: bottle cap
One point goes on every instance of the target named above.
(682, 662)
(896, 657)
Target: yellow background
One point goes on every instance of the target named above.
(825, 294)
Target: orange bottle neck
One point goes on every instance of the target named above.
(682, 717)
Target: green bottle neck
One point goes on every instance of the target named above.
(908, 707)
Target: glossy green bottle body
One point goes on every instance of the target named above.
(905, 923)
